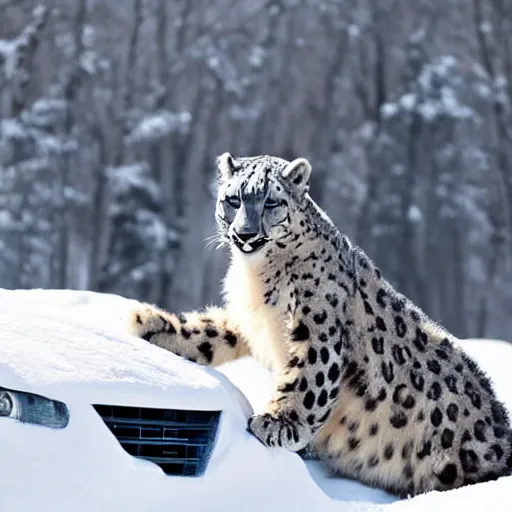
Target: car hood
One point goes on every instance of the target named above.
(73, 346)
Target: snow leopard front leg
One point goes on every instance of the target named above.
(308, 388)
(206, 338)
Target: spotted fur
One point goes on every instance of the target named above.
(365, 378)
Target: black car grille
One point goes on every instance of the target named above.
(178, 441)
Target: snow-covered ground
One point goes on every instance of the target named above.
(72, 346)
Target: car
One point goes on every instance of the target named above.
(94, 419)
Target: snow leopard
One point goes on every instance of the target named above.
(382, 393)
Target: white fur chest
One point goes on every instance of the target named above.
(263, 325)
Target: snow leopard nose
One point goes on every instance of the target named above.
(246, 236)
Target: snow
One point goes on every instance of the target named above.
(414, 214)
(158, 125)
(72, 346)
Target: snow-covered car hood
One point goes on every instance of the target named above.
(72, 346)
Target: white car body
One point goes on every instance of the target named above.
(71, 347)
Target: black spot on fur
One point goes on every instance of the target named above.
(417, 380)
(319, 379)
(451, 384)
(466, 437)
(357, 383)
(472, 366)
(186, 333)
(447, 438)
(486, 384)
(499, 432)
(452, 412)
(401, 328)
(449, 474)
(311, 419)
(381, 295)
(388, 451)
(337, 347)
(332, 299)
(300, 333)
(207, 350)
(409, 402)
(324, 355)
(420, 340)
(367, 308)
(407, 450)
(436, 417)
(373, 461)
(211, 332)
(498, 412)
(378, 345)
(353, 426)
(387, 371)
(312, 355)
(473, 395)
(353, 443)
(334, 392)
(322, 398)
(230, 338)
(441, 354)
(415, 315)
(303, 384)
(397, 303)
(469, 460)
(306, 310)
(479, 430)
(435, 391)
(293, 415)
(459, 368)
(421, 417)
(381, 325)
(350, 369)
(323, 337)
(320, 318)
(374, 428)
(408, 471)
(398, 354)
(309, 400)
(334, 372)
(370, 404)
(398, 419)
(425, 450)
(498, 450)
(434, 366)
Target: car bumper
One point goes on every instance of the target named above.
(83, 467)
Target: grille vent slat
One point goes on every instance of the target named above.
(178, 441)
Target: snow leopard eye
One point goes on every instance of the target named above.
(271, 203)
(233, 201)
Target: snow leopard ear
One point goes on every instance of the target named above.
(226, 167)
(297, 173)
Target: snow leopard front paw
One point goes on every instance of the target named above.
(278, 430)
